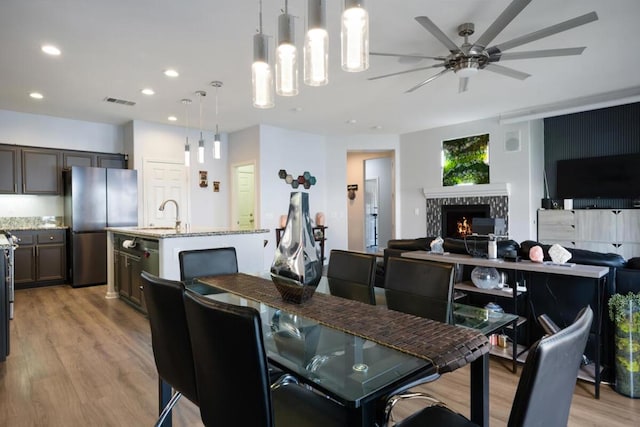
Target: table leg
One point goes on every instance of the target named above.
(480, 390)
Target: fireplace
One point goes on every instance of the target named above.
(457, 220)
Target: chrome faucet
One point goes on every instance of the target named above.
(161, 208)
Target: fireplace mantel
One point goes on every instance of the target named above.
(476, 190)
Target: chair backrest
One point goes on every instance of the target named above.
(170, 333)
(548, 379)
(352, 275)
(230, 363)
(418, 287)
(207, 262)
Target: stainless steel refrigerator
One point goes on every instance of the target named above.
(95, 198)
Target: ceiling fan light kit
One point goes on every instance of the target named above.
(468, 59)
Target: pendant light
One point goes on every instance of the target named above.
(286, 55)
(201, 94)
(216, 138)
(316, 45)
(187, 150)
(261, 76)
(355, 36)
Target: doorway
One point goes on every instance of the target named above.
(244, 196)
(371, 214)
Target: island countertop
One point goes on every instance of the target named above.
(170, 232)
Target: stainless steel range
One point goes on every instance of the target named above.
(6, 293)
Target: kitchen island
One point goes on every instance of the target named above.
(159, 248)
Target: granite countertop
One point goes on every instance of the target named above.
(170, 232)
(4, 243)
(37, 227)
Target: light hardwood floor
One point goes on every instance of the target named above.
(78, 359)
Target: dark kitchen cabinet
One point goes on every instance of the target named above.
(40, 258)
(41, 171)
(127, 277)
(78, 158)
(114, 161)
(9, 169)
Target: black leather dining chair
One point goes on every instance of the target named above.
(545, 389)
(232, 376)
(206, 262)
(352, 275)
(170, 339)
(419, 287)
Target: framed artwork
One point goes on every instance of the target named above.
(465, 160)
(203, 179)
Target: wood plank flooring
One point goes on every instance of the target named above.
(78, 359)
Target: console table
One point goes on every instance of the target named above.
(597, 273)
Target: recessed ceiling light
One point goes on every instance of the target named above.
(36, 95)
(376, 127)
(172, 118)
(296, 109)
(171, 73)
(147, 91)
(50, 50)
(351, 121)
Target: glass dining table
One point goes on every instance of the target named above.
(355, 353)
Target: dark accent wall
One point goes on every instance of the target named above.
(602, 132)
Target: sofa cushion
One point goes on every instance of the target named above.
(578, 256)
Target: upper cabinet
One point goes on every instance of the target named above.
(9, 169)
(41, 171)
(34, 170)
(114, 161)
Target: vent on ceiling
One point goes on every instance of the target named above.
(119, 101)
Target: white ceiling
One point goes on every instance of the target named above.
(114, 48)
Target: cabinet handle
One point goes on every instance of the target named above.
(15, 188)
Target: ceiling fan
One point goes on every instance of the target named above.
(465, 60)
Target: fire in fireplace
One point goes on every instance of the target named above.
(457, 220)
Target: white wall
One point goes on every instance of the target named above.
(296, 152)
(51, 132)
(166, 142)
(419, 165)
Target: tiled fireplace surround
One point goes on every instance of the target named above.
(498, 208)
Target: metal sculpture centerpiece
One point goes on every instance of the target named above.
(297, 268)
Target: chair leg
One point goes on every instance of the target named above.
(168, 407)
(393, 400)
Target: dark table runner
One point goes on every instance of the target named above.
(447, 347)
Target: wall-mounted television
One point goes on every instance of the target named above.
(611, 177)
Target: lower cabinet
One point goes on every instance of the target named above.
(40, 258)
(127, 271)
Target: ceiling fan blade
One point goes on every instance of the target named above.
(437, 33)
(507, 56)
(545, 32)
(499, 24)
(405, 72)
(462, 86)
(430, 79)
(509, 72)
(402, 55)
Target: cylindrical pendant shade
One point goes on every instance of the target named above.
(355, 36)
(201, 150)
(216, 147)
(286, 58)
(261, 76)
(316, 45)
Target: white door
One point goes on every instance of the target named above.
(164, 180)
(246, 193)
